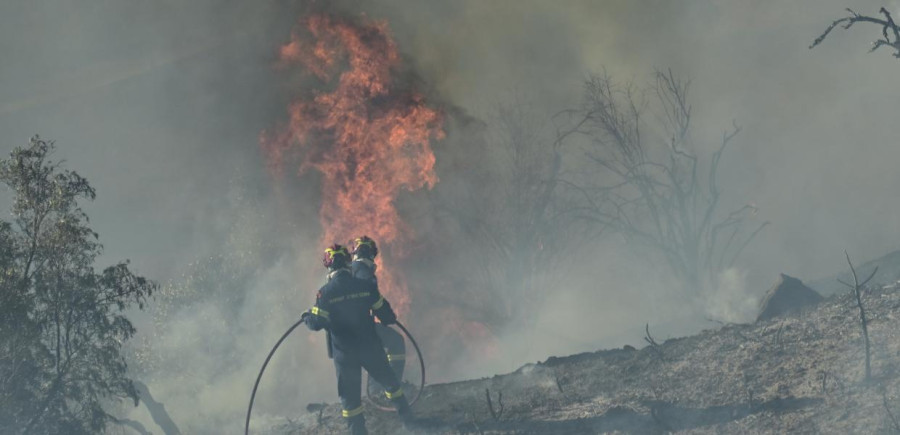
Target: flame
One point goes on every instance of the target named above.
(368, 136)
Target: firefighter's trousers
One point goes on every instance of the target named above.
(348, 366)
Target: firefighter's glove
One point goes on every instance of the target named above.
(388, 320)
(316, 319)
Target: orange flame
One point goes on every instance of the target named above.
(368, 136)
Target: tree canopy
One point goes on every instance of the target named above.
(62, 323)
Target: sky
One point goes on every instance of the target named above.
(160, 105)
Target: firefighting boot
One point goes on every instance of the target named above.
(357, 425)
(402, 406)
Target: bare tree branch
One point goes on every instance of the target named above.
(889, 29)
(653, 344)
(862, 313)
(657, 191)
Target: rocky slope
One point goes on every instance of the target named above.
(802, 373)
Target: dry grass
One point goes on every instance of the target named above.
(798, 374)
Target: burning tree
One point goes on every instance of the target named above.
(366, 131)
(62, 324)
(658, 192)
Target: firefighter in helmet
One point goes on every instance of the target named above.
(363, 267)
(344, 307)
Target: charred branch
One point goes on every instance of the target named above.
(652, 342)
(890, 33)
(862, 312)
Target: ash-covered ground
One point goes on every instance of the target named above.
(802, 373)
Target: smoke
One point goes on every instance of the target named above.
(160, 105)
(731, 301)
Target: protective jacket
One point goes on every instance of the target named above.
(343, 306)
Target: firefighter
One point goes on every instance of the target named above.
(363, 267)
(344, 306)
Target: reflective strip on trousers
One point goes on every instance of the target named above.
(352, 412)
(395, 395)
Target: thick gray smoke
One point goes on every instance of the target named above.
(160, 105)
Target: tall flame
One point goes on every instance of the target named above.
(369, 135)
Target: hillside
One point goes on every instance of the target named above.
(799, 374)
(888, 271)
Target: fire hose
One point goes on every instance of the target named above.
(292, 328)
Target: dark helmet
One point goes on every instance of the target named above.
(336, 257)
(364, 247)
